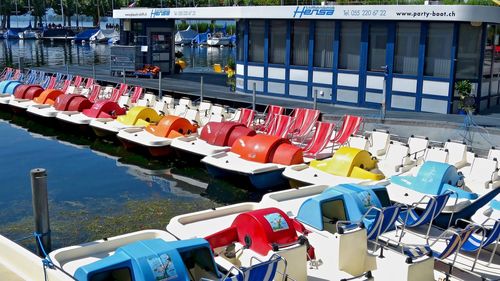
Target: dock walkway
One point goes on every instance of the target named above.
(215, 89)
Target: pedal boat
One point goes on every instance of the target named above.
(436, 178)
(100, 110)
(140, 256)
(340, 223)
(347, 165)
(136, 117)
(157, 138)
(260, 158)
(243, 232)
(7, 90)
(24, 97)
(66, 103)
(215, 137)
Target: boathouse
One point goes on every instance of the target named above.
(409, 56)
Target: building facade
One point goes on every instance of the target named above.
(409, 56)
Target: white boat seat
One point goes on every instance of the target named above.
(360, 142)
(180, 110)
(456, 156)
(147, 100)
(123, 100)
(204, 108)
(193, 115)
(494, 153)
(483, 174)
(379, 141)
(417, 146)
(185, 101)
(436, 154)
(396, 160)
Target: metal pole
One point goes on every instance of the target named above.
(41, 209)
(315, 98)
(383, 107)
(123, 73)
(67, 69)
(201, 88)
(253, 95)
(159, 85)
(93, 69)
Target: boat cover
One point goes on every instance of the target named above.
(153, 259)
(435, 178)
(349, 162)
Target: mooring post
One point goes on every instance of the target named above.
(160, 94)
(315, 98)
(254, 97)
(201, 88)
(67, 69)
(123, 73)
(41, 209)
(93, 69)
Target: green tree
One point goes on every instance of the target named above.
(68, 6)
(38, 11)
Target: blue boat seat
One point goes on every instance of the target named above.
(262, 271)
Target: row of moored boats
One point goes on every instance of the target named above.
(365, 205)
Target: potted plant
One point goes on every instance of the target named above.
(230, 71)
(466, 101)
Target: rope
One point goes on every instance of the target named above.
(47, 262)
(467, 134)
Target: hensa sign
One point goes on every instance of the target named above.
(313, 11)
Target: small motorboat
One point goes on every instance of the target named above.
(347, 165)
(30, 35)
(157, 138)
(218, 39)
(259, 158)
(136, 117)
(215, 137)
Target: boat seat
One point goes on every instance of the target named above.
(360, 142)
(483, 174)
(456, 156)
(180, 110)
(353, 256)
(193, 115)
(147, 100)
(436, 154)
(123, 100)
(204, 108)
(418, 146)
(185, 101)
(216, 114)
(493, 154)
(396, 160)
(379, 141)
(164, 105)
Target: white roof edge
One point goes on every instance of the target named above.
(459, 13)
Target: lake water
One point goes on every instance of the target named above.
(39, 53)
(96, 188)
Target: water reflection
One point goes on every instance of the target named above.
(97, 188)
(31, 53)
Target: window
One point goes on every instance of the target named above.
(323, 43)
(240, 40)
(406, 50)
(256, 41)
(277, 41)
(438, 52)
(468, 56)
(376, 47)
(350, 38)
(300, 42)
